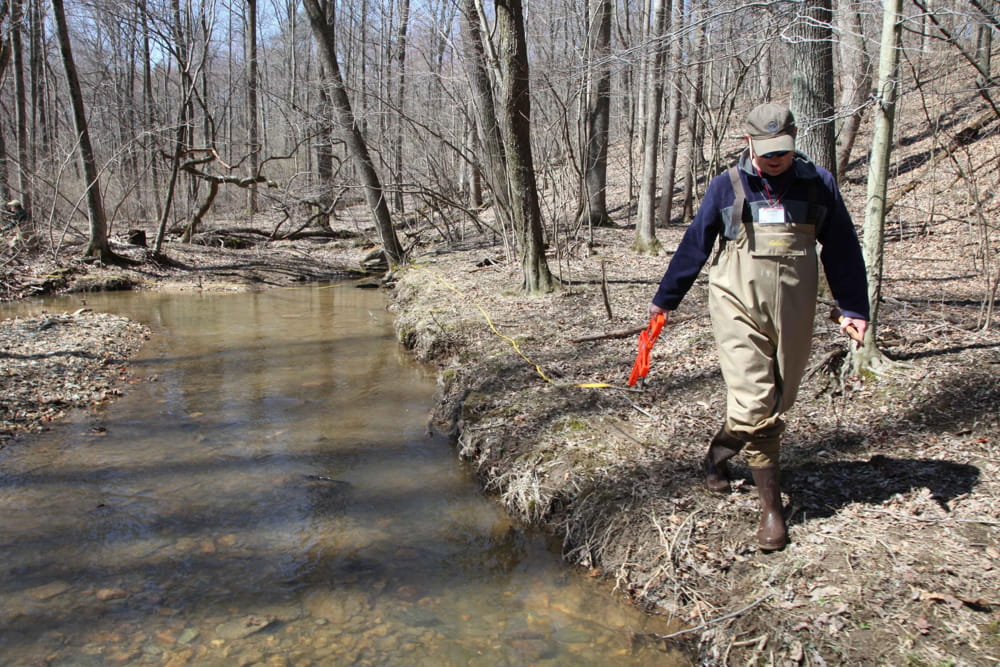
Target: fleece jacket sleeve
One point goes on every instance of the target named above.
(843, 261)
(697, 244)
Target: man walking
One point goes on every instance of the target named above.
(767, 213)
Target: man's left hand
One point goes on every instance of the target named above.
(854, 327)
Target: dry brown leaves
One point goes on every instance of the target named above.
(55, 363)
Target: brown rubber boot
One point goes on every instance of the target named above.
(772, 534)
(723, 447)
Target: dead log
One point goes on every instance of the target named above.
(621, 333)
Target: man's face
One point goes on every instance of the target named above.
(772, 164)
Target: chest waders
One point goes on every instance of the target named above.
(762, 300)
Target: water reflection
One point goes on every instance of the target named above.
(270, 495)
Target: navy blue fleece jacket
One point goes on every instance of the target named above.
(840, 253)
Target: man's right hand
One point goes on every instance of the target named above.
(655, 310)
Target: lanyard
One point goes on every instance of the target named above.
(772, 201)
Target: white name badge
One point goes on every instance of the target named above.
(772, 215)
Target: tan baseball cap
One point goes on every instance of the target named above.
(771, 127)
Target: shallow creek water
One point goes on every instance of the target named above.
(269, 494)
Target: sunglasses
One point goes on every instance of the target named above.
(775, 154)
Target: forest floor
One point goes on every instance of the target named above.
(891, 485)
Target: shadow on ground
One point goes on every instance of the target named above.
(822, 489)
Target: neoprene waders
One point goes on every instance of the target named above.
(772, 534)
(723, 447)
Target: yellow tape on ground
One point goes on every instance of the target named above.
(513, 343)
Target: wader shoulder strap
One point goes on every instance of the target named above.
(812, 213)
(735, 222)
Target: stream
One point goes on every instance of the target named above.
(268, 493)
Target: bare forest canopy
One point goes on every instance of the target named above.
(206, 109)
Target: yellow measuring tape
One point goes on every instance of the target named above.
(513, 343)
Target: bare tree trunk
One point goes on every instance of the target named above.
(253, 118)
(485, 107)
(984, 46)
(324, 143)
(766, 78)
(363, 93)
(595, 179)
(868, 356)
(400, 97)
(5, 49)
(4, 171)
(812, 82)
(673, 122)
(20, 105)
(471, 167)
(98, 247)
(149, 116)
(645, 241)
(515, 112)
(695, 129)
(629, 100)
(855, 68)
(322, 25)
(37, 49)
(181, 130)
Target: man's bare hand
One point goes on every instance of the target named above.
(854, 327)
(655, 310)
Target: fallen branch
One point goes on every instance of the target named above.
(827, 362)
(621, 333)
(714, 621)
(908, 517)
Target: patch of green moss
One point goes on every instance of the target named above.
(448, 377)
(407, 337)
(991, 631)
(572, 425)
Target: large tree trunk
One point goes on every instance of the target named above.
(515, 112)
(595, 179)
(485, 108)
(645, 241)
(344, 117)
(812, 83)
(98, 247)
(868, 356)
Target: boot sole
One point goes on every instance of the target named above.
(771, 547)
